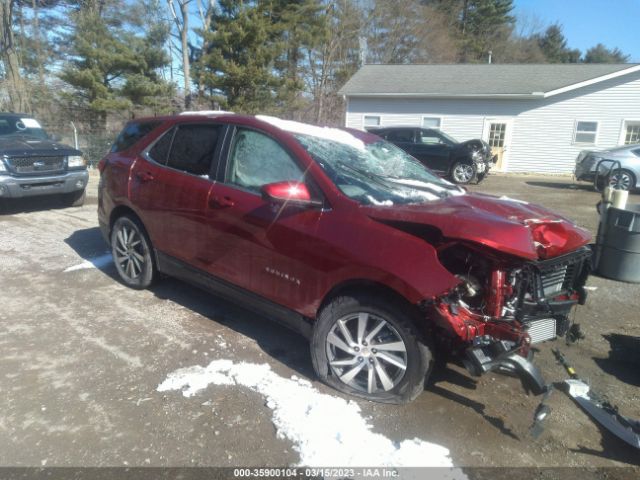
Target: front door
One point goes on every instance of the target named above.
(252, 244)
(497, 133)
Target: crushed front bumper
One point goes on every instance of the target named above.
(31, 186)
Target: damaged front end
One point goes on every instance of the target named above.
(502, 306)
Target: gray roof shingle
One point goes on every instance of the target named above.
(472, 79)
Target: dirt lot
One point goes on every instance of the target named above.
(81, 358)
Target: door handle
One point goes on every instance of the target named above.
(144, 176)
(221, 202)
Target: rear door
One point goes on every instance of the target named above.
(170, 186)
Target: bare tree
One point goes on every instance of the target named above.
(18, 97)
(182, 27)
(205, 11)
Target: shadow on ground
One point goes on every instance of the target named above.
(562, 185)
(278, 342)
(443, 375)
(623, 361)
(11, 206)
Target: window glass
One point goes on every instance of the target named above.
(258, 160)
(371, 121)
(430, 137)
(586, 132)
(431, 122)
(160, 150)
(131, 133)
(193, 148)
(404, 135)
(632, 133)
(497, 133)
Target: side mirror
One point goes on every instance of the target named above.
(289, 193)
(55, 137)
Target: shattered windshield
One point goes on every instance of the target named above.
(377, 173)
(21, 126)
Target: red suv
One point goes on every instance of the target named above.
(345, 238)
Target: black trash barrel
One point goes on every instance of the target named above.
(620, 249)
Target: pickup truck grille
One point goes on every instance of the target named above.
(36, 165)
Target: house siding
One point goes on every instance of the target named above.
(543, 129)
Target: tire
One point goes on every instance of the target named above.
(74, 199)
(336, 358)
(622, 180)
(463, 172)
(132, 253)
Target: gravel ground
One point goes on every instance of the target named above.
(81, 357)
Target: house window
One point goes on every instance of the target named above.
(497, 134)
(431, 122)
(371, 121)
(585, 132)
(632, 133)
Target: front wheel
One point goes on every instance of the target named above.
(463, 172)
(131, 250)
(368, 346)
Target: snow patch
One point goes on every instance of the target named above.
(325, 430)
(96, 262)
(328, 133)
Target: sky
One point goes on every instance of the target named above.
(586, 23)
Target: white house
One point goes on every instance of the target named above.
(536, 117)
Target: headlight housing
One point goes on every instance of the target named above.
(75, 161)
(3, 167)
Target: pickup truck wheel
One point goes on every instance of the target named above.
(75, 199)
(463, 172)
(368, 346)
(131, 250)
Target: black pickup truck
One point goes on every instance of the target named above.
(32, 163)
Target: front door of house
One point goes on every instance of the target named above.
(497, 133)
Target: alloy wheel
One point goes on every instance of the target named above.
(129, 252)
(366, 352)
(620, 181)
(463, 173)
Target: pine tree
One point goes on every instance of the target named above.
(484, 23)
(602, 54)
(553, 45)
(113, 68)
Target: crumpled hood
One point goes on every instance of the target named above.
(510, 226)
(22, 145)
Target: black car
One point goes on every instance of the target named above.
(32, 163)
(461, 162)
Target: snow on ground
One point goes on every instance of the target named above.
(96, 262)
(325, 430)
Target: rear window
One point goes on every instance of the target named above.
(193, 148)
(131, 134)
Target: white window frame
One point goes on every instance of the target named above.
(623, 128)
(596, 133)
(371, 115)
(439, 127)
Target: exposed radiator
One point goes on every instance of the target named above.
(542, 330)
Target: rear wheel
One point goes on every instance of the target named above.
(368, 346)
(622, 180)
(131, 250)
(74, 199)
(463, 172)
